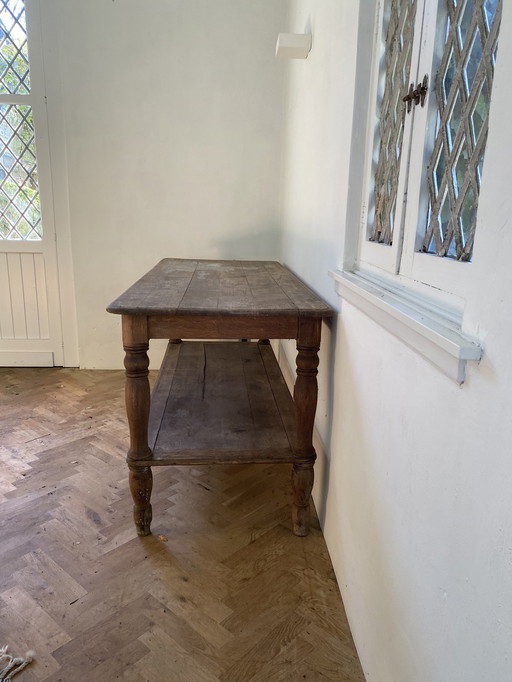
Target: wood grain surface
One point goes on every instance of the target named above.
(218, 397)
(211, 287)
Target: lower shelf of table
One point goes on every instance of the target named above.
(221, 402)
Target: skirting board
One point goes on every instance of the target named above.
(26, 358)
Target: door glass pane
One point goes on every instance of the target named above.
(20, 212)
(14, 72)
(463, 86)
(395, 69)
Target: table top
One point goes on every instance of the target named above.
(220, 287)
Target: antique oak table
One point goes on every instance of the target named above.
(217, 402)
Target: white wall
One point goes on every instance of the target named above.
(415, 472)
(173, 115)
(175, 147)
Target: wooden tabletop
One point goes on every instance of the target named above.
(220, 287)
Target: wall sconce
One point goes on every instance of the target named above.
(293, 45)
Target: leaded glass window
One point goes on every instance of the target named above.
(432, 76)
(463, 92)
(20, 212)
(14, 77)
(395, 70)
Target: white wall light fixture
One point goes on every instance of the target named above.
(293, 45)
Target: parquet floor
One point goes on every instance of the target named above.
(222, 590)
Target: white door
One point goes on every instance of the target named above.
(30, 309)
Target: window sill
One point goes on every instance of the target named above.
(430, 330)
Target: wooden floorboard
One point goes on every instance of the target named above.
(221, 591)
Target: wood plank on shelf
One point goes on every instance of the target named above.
(221, 402)
(161, 391)
(199, 457)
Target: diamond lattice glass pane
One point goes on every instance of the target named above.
(443, 219)
(385, 147)
(392, 212)
(398, 144)
(467, 219)
(399, 33)
(465, 20)
(460, 168)
(20, 212)
(490, 8)
(473, 61)
(438, 173)
(463, 86)
(14, 70)
(480, 167)
(12, 214)
(480, 110)
(452, 249)
(454, 121)
(23, 228)
(493, 55)
(449, 75)
(447, 32)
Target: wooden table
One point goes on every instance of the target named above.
(220, 402)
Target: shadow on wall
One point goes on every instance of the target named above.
(361, 521)
(326, 374)
(257, 244)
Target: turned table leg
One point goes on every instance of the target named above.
(305, 395)
(137, 393)
(141, 484)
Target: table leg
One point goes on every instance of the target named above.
(141, 484)
(137, 393)
(305, 395)
(302, 483)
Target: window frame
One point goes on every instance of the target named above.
(443, 278)
(35, 98)
(428, 319)
(374, 256)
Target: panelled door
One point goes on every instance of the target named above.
(30, 315)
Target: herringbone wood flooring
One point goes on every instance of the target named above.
(222, 590)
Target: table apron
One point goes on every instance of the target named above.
(222, 327)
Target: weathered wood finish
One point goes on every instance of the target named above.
(249, 415)
(212, 288)
(137, 396)
(137, 390)
(305, 395)
(141, 485)
(221, 402)
(222, 327)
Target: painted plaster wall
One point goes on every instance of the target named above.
(175, 146)
(173, 115)
(415, 473)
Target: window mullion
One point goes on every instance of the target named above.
(420, 129)
(415, 77)
(386, 183)
(16, 99)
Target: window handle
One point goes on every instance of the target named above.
(416, 95)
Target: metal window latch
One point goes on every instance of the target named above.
(416, 95)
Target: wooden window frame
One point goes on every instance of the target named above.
(402, 263)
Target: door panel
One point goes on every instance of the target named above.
(26, 337)
(30, 312)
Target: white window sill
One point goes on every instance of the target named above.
(427, 328)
